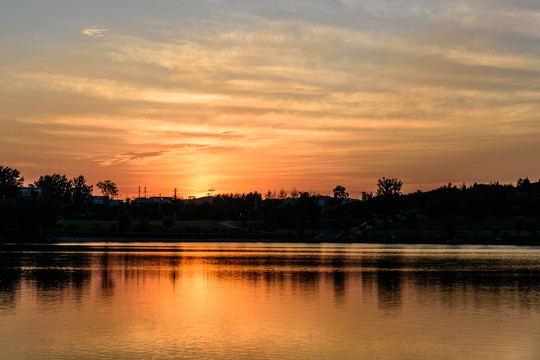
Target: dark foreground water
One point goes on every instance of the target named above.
(266, 301)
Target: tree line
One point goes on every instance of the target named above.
(295, 210)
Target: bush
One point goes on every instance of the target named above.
(167, 222)
(124, 221)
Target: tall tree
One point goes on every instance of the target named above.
(270, 195)
(523, 185)
(389, 187)
(340, 192)
(366, 196)
(11, 181)
(108, 188)
(80, 190)
(56, 187)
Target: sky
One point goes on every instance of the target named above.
(245, 95)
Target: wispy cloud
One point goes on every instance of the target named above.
(131, 157)
(95, 32)
(144, 157)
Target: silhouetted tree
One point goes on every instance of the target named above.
(270, 195)
(389, 187)
(80, 191)
(366, 196)
(340, 192)
(56, 187)
(11, 181)
(33, 217)
(167, 222)
(523, 185)
(108, 188)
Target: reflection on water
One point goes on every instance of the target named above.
(267, 301)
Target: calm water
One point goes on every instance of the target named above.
(257, 301)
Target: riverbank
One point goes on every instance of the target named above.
(379, 237)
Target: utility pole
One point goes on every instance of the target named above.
(210, 191)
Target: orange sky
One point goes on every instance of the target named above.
(239, 97)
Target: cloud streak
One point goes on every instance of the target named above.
(95, 32)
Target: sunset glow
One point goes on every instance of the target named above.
(241, 96)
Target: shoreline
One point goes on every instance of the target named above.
(405, 241)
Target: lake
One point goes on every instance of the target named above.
(268, 301)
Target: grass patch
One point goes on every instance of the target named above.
(98, 227)
(250, 224)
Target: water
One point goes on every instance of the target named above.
(268, 301)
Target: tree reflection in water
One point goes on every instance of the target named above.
(448, 279)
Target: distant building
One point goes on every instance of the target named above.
(115, 202)
(324, 200)
(105, 200)
(141, 200)
(160, 199)
(30, 191)
(100, 200)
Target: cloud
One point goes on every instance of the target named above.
(95, 32)
(131, 157)
(143, 157)
(137, 155)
